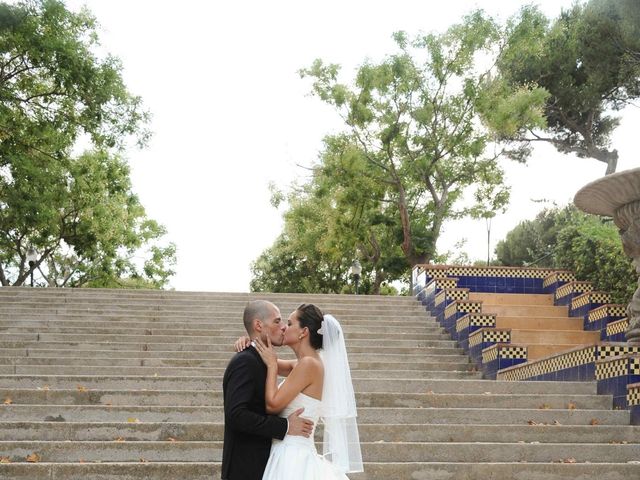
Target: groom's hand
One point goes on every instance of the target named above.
(299, 427)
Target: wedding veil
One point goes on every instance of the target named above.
(341, 440)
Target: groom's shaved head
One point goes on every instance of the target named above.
(259, 309)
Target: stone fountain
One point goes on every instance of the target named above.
(618, 196)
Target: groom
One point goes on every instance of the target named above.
(248, 430)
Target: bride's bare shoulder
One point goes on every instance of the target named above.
(310, 363)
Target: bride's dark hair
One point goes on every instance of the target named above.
(311, 317)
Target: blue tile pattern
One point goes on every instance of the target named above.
(614, 374)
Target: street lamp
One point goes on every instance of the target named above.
(356, 270)
(32, 256)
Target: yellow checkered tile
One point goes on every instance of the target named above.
(558, 277)
(573, 287)
(513, 352)
(612, 368)
(463, 306)
(550, 364)
(634, 366)
(490, 354)
(444, 283)
(490, 336)
(440, 296)
(462, 323)
(590, 297)
(619, 326)
(607, 351)
(482, 320)
(476, 320)
(475, 338)
(513, 272)
(458, 294)
(607, 311)
(451, 309)
(633, 396)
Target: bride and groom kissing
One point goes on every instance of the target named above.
(268, 428)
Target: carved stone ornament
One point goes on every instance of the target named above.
(618, 196)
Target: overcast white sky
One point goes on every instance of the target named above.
(230, 115)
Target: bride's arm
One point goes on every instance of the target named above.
(284, 366)
(299, 378)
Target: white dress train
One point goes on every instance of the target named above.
(297, 457)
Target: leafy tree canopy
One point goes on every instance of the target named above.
(414, 119)
(568, 239)
(586, 61)
(78, 212)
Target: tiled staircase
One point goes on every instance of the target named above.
(98, 384)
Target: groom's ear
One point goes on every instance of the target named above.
(257, 325)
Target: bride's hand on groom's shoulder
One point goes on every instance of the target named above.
(267, 353)
(241, 344)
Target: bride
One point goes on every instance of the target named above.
(319, 381)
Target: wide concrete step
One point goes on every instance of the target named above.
(373, 471)
(211, 431)
(203, 451)
(217, 373)
(191, 328)
(175, 358)
(561, 469)
(160, 311)
(66, 382)
(443, 347)
(540, 323)
(512, 298)
(453, 363)
(398, 340)
(115, 413)
(83, 396)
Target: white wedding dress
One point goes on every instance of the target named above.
(296, 458)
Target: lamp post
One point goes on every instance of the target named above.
(32, 256)
(356, 270)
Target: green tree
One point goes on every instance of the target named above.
(77, 212)
(331, 220)
(568, 239)
(413, 118)
(584, 61)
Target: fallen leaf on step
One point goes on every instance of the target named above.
(33, 458)
(5, 460)
(571, 406)
(46, 388)
(556, 422)
(119, 440)
(8, 401)
(171, 439)
(144, 460)
(533, 422)
(544, 406)
(133, 420)
(81, 461)
(430, 392)
(569, 460)
(81, 388)
(594, 421)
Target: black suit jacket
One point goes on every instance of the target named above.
(248, 430)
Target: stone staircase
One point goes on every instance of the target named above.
(100, 384)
